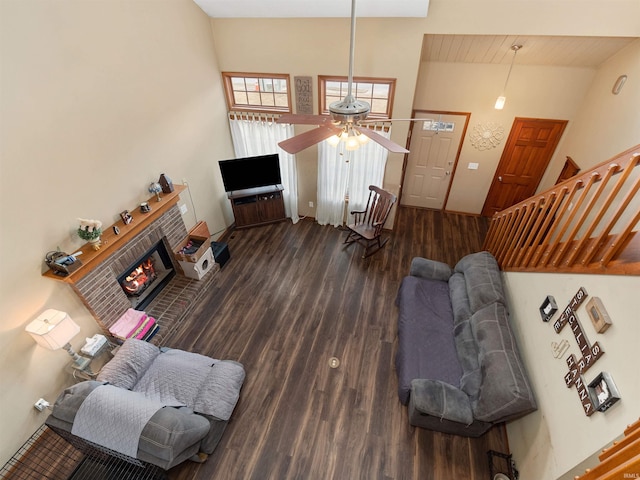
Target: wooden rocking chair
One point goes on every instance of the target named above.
(368, 224)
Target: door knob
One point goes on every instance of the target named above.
(447, 173)
(499, 179)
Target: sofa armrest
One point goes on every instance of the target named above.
(441, 400)
(425, 268)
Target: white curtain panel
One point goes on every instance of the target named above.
(342, 173)
(259, 134)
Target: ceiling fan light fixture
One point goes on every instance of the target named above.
(352, 143)
(362, 139)
(333, 140)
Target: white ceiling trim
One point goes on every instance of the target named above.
(312, 8)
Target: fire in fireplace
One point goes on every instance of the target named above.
(146, 277)
(140, 278)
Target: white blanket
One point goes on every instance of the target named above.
(114, 418)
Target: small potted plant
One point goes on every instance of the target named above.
(91, 231)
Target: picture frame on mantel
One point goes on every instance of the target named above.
(126, 217)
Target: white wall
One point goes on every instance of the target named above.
(97, 99)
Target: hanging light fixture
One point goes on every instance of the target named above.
(352, 138)
(502, 98)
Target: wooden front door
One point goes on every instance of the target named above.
(434, 148)
(524, 160)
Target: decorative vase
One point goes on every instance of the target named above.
(96, 243)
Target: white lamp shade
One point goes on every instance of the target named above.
(53, 329)
(500, 102)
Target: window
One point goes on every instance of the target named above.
(378, 92)
(257, 92)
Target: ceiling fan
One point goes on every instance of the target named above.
(345, 122)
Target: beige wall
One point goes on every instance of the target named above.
(533, 91)
(312, 47)
(610, 122)
(548, 443)
(391, 48)
(98, 98)
(552, 441)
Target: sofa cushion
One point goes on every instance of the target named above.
(425, 335)
(441, 400)
(468, 356)
(129, 364)
(504, 391)
(426, 268)
(459, 298)
(483, 279)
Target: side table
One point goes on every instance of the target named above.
(97, 361)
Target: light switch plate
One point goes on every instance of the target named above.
(473, 166)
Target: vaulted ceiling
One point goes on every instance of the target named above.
(312, 8)
(570, 51)
(536, 50)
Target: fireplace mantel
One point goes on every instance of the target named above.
(111, 242)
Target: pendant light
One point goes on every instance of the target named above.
(502, 98)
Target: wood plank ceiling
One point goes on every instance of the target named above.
(566, 51)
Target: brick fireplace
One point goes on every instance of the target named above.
(97, 283)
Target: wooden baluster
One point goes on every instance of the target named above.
(492, 234)
(586, 211)
(530, 230)
(575, 211)
(548, 253)
(511, 219)
(622, 206)
(620, 240)
(623, 457)
(519, 244)
(597, 219)
(540, 240)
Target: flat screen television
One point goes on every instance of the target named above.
(250, 172)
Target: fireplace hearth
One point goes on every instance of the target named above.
(143, 280)
(97, 282)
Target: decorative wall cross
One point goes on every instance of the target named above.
(590, 354)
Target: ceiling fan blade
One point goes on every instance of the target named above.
(301, 119)
(382, 120)
(305, 140)
(385, 142)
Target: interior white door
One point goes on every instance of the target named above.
(430, 164)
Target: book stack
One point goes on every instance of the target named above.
(134, 324)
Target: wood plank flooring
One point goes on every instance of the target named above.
(292, 297)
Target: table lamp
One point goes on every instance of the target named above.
(54, 329)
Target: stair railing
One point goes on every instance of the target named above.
(586, 224)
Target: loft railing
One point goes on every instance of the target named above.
(586, 224)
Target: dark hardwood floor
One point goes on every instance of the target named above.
(292, 297)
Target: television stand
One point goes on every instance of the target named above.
(257, 206)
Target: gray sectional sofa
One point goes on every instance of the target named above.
(160, 406)
(458, 365)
